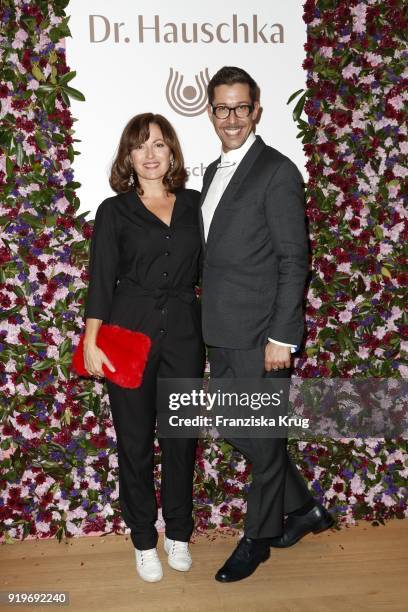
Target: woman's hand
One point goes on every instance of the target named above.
(94, 358)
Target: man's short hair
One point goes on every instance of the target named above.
(229, 75)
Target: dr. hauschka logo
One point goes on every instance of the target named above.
(190, 100)
(151, 29)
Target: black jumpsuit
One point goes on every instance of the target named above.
(142, 277)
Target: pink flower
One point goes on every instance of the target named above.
(400, 171)
(356, 485)
(345, 316)
(397, 102)
(21, 36)
(359, 17)
(33, 85)
(326, 51)
(393, 190)
(349, 71)
(373, 59)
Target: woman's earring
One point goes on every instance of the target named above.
(169, 176)
(131, 179)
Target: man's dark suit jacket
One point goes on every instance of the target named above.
(256, 256)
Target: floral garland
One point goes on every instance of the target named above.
(57, 447)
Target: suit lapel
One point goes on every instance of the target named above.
(212, 169)
(238, 177)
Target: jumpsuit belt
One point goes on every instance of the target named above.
(160, 295)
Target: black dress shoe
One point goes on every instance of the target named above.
(314, 521)
(244, 560)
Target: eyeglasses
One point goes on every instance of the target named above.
(223, 112)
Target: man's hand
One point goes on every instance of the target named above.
(276, 356)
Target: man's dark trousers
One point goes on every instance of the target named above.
(277, 487)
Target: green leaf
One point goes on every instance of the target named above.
(43, 89)
(65, 347)
(65, 98)
(74, 93)
(29, 21)
(32, 220)
(67, 77)
(297, 111)
(50, 104)
(36, 72)
(65, 370)
(9, 167)
(378, 232)
(43, 365)
(39, 139)
(294, 95)
(50, 220)
(19, 154)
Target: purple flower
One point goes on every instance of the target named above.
(69, 175)
(317, 487)
(6, 15)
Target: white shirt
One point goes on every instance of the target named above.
(225, 170)
(228, 164)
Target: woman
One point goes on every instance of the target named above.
(144, 263)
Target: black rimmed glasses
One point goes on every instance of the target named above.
(241, 111)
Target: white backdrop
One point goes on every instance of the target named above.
(125, 52)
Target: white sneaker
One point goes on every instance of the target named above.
(179, 557)
(148, 565)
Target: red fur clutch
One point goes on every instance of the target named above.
(126, 350)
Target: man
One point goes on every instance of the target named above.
(254, 273)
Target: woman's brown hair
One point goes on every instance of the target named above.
(136, 133)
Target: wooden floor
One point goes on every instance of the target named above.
(361, 568)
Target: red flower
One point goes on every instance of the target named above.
(26, 60)
(46, 516)
(89, 423)
(307, 63)
(15, 493)
(19, 104)
(341, 118)
(42, 241)
(350, 101)
(46, 499)
(5, 255)
(8, 430)
(42, 279)
(5, 301)
(24, 124)
(96, 524)
(99, 440)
